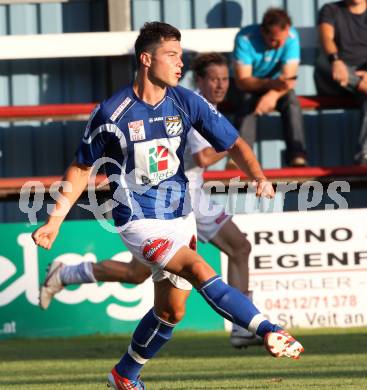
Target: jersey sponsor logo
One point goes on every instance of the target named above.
(120, 109)
(156, 119)
(156, 160)
(154, 249)
(173, 125)
(136, 130)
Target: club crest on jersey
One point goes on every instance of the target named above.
(173, 125)
(136, 130)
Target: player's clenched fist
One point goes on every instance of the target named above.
(45, 235)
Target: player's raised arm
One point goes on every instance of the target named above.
(76, 177)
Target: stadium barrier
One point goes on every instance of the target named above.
(81, 111)
(10, 187)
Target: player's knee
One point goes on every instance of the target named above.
(196, 270)
(241, 249)
(246, 245)
(173, 315)
(200, 271)
(177, 315)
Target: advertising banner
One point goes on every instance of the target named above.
(86, 309)
(309, 269)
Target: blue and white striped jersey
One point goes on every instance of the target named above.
(141, 147)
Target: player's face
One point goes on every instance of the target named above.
(166, 63)
(214, 85)
(275, 37)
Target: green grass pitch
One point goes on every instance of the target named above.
(333, 359)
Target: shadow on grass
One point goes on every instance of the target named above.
(183, 345)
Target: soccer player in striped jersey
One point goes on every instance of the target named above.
(211, 76)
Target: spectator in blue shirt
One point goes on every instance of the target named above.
(266, 59)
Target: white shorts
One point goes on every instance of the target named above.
(154, 242)
(210, 216)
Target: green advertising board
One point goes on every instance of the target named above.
(86, 309)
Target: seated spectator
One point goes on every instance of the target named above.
(341, 70)
(266, 59)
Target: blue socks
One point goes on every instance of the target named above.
(231, 304)
(149, 337)
(152, 332)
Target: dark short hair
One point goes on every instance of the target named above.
(275, 17)
(201, 62)
(152, 34)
